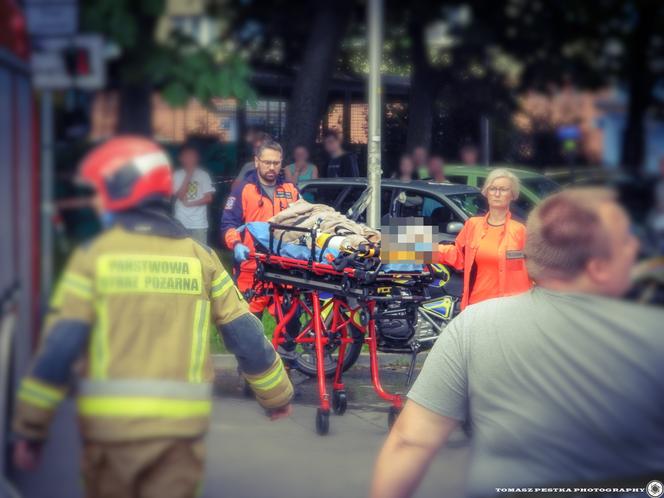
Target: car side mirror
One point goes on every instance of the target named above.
(454, 227)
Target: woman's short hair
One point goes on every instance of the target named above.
(565, 231)
(494, 174)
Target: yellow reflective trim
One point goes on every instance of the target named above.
(38, 394)
(99, 349)
(58, 296)
(221, 278)
(270, 380)
(31, 399)
(224, 288)
(43, 389)
(77, 279)
(147, 273)
(199, 341)
(68, 286)
(142, 407)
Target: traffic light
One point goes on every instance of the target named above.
(77, 61)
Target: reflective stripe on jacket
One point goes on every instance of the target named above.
(513, 277)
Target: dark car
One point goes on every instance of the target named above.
(443, 205)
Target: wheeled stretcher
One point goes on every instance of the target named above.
(329, 298)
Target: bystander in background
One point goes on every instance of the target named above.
(420, 156)
(342, 164)
(193, 192)
(406, 172)
(301, 168)
(469, 155)
(436, 169)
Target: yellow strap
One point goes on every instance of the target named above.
(101, 406)
(199, 343)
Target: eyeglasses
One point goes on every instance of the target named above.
(499, 190)
(270, 163)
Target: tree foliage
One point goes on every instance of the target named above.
(180, 67)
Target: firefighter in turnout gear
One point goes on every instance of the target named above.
(136, 305)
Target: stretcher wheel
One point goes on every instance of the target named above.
(322, 421)
(339, 402)
(392, 416)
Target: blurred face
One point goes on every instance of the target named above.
(420, 156)
(469, 155)
(406, 166)
(301, 154)
(268, 165)
(612, 275)
(499, 194)
(436, 167)
(189, 159)
(332, 144)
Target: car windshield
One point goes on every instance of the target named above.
(540, 186)
(471, 203)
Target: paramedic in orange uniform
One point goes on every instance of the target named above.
(262, 194)
(489, 249)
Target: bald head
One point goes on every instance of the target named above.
(580, 240)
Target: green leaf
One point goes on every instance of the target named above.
(223, 82)
(175, 94)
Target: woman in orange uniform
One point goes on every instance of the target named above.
(489, 249)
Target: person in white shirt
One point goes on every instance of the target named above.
(193, 192)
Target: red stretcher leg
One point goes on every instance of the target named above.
(338, 323)
(281, 318)
(320, 357)
(395, 399)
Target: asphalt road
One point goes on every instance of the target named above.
(251, 457)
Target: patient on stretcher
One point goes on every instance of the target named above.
(406, 243)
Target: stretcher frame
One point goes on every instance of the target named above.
(297, 285)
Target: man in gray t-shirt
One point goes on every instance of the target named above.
(562, 385)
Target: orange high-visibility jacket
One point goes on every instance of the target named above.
(248, 202)
(513, 277)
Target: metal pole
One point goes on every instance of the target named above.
(375, 15)
(46, 193)
(486, 140)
